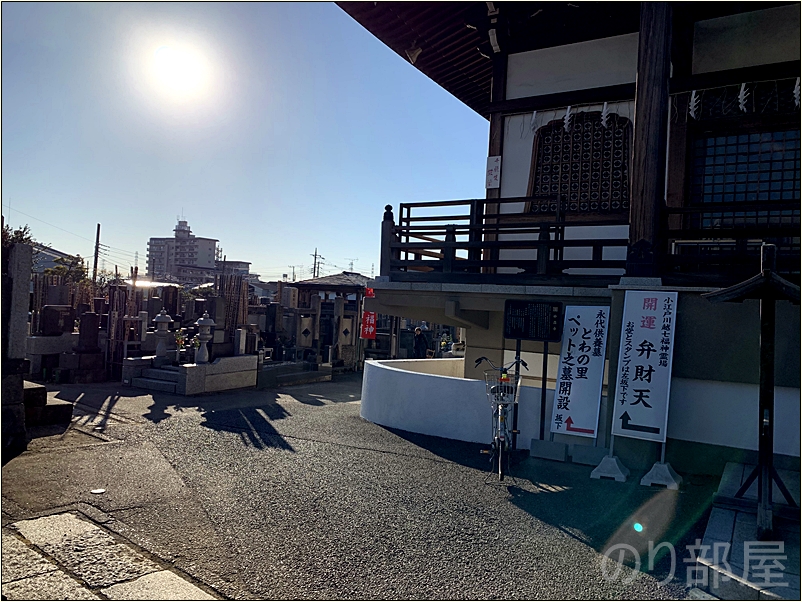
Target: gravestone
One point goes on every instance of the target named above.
(88, 333)
(57, 319)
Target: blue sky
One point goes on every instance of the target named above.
(307, 126)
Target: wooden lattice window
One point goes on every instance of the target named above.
(586, 168)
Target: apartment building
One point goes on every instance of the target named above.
(184, 257)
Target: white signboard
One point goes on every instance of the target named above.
(493, 173)
(643, 382)
(579, 376)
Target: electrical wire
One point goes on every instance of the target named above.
(67, 231)
(47, 223)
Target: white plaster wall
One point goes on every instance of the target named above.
(756, 38)
(441, 406)
(723, 413)
(592, 64)
(712, 412)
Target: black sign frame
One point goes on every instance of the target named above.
(533, 320)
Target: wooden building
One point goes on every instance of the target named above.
(632, 146)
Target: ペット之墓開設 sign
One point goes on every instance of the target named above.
(577, 394)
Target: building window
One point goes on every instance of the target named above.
(587, 167)
(755, 167)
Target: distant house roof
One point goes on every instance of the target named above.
(45, 257)
(345, 279)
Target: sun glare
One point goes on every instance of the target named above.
(180, 74)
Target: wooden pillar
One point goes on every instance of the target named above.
(497, 94)
(387, 238)
(649, 145)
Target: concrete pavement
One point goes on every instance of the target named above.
(67, 557)
(289, 494)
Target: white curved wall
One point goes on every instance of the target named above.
(441, 367)
(442, 406)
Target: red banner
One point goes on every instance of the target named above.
(368, 330)
(369, 293)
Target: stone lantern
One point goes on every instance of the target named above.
(204, 325)
(162, 322)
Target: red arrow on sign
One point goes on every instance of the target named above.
(569, 427)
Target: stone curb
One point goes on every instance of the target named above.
(68, 555)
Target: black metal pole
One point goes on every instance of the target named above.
(517, 396)
(766, 443)
(543, 389)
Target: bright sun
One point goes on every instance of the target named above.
(179, 73)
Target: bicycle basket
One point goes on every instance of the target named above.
(499, 388)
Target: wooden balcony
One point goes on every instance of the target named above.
(502, 241)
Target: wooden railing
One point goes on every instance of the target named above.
(720, 243)
(501, 241)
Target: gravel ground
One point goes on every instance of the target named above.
(289, 494)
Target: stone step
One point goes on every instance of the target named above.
(279, 371)
(161, 374)
(56, 411)
(302, 378)
(152, 384)
(34, 395)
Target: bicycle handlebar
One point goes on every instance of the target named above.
(502, 367)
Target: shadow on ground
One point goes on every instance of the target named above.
(100, 399)
(600, 513)
(249, 413)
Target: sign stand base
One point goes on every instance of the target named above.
(610, 467)
(662, 474)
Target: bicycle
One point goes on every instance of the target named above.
(502, 393)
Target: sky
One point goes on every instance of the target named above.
(276, 128)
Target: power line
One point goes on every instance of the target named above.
(114, 256)
(48, 223)
(120, 251)
(63, 230)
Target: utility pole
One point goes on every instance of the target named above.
(351, 261)
(97, 252)
(293, 270)
(316, 265)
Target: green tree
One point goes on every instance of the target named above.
(20, 235)
(12, 237)
(72, 268)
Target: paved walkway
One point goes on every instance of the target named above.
(289, 494)
(67, 557)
